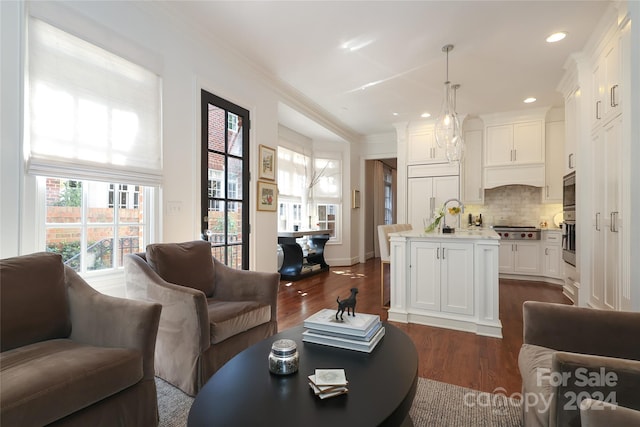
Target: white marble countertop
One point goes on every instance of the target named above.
(471, 233)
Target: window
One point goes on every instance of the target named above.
(232, 122)
(93, 141)
(327, 215)
(327, 194)
(225, 179)
(310, 192)
(388, 195)
(128, 195)
(84, 225)
(292, 193)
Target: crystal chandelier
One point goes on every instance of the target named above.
(447, 128)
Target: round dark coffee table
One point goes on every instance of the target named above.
(244, 393)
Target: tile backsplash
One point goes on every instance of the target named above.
(514, 205)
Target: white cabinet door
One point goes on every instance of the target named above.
(528, 142)
(472, 190)
(526, 257)
(456, 285)
(571, 113)
(419, 201)
(612, 139)
(598, 97)
(505, 257)
(554, 164)
(425, 275)
(552, 261)
(499, 145)
(420, 146)
(596, 296)
(611, 62)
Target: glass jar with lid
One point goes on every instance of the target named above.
(283, 359)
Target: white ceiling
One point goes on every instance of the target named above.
(500, 55)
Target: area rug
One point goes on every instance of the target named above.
(436, 404)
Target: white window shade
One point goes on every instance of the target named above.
(91, 114)
(292, 170)
(328, 177)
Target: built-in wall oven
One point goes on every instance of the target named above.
(569, 224)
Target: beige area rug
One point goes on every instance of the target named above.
(436, 404)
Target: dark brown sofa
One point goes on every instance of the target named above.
(72, 356)
(210, 312)
(572, 353)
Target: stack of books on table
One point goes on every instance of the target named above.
(361, 332)
(327, 383)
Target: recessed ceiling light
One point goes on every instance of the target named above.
(556, 37)
(529, 100)
(425, 115)
(395, 114)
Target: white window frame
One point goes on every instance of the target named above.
(108, 280)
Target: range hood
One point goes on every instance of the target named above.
(497, 176)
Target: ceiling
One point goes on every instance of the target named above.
(393, 62)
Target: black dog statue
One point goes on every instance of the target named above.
(348, 304)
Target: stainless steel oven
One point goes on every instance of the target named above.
(569, 237)
(569, 192)
(569, 224)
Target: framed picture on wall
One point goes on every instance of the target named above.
(267, 196)
(267, 166)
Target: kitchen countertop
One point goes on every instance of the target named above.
(471, 233)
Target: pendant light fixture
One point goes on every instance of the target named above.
(455, 150)
(447, 125)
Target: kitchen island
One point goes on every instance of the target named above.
(446, 280)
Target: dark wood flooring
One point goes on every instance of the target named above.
(461, 358)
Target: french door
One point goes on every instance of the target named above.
(225, 180)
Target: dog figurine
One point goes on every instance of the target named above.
(348, 303)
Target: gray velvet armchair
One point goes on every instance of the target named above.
(210, 311)
(576, 355)
(72, 356)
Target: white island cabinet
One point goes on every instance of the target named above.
(446, 280)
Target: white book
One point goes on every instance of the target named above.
(358, 325)
(346, 343)
(370, 333)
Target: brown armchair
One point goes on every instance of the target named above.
(210, 312)
(72, 356)
(573, 353)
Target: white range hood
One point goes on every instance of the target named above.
(497, 176)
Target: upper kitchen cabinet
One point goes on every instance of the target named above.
(515, 143)
(554, 167)
(472, 189)
(422, 147)
(571, 113)
(606, 77)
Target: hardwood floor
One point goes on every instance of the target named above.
(454, 357)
